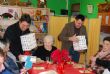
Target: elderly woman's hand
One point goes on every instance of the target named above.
(23, 71)
(73, 38)
(93, 59)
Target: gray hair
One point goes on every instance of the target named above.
(4, 43)
(49, 37)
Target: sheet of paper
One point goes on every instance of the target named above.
(81, 44)
(28, 42)
(49, 72)
(24, 57)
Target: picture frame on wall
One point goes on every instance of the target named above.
(90, 8)
(75, 9)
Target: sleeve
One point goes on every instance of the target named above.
(36, 52)
(9, 34)
(104, 63)
(63, 35)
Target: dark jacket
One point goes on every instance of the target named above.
(42, 53)
(68, 31)
(13, 34)
(11, 65)
(103, 63)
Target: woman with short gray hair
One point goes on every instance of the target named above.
(46, 49)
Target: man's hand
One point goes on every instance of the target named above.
(73, 38)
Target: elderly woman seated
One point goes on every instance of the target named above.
(3, 68)
(104, 55)
(10, 61)
(43, 52)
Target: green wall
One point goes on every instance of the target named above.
(34, 2)
(83, 7)
(55, 5)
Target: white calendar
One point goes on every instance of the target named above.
(28, 41)
(81, 44)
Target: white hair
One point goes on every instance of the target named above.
(49, 38)
(2, 45)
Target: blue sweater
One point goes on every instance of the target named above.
(6, 71)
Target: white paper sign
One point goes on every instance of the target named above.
(28, 41)
(24, 57)
(81, 44)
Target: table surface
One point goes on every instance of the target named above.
(67, 69)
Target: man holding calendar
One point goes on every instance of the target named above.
(70, 32)
(14, 32)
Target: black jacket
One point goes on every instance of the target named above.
(13, 34)
(103, 63)
(42, 53)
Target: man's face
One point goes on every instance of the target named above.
(78, 23)
(24, 25)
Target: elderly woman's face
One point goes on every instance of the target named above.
(47, 42)
(106, 45)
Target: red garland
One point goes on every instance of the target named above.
(60, 56)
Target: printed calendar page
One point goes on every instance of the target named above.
(28, 41)
(81, 44)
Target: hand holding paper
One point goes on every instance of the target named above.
(28, 42)
(81, 44)
(73, 38)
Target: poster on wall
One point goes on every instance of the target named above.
(90, 8)
(28, 10)
(9, 12)
(9, 15)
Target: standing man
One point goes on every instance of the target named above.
(70, 32)
(14, 32)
